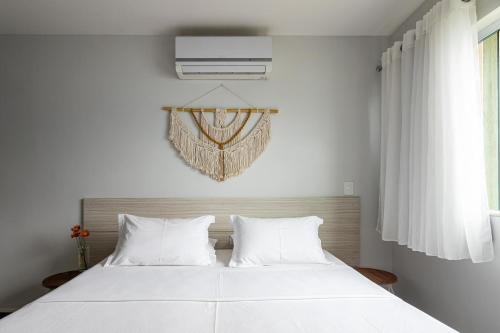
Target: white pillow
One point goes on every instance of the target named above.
(155, 241)
(260, 242)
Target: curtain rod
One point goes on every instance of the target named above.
(379, 67)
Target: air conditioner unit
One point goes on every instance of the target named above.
(223, 58)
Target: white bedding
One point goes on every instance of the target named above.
(216, 299)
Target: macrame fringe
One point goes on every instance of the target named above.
(209, 159)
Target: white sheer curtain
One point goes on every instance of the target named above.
(432, 177)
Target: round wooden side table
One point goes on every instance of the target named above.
(378, 276)
(57, 280)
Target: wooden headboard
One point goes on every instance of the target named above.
(339, 233)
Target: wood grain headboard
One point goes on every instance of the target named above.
(339, 233)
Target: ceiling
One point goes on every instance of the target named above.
(176, 17)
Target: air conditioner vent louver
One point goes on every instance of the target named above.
(228, 58)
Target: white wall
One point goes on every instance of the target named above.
(465, 296)
(484, 7)
(80, 117)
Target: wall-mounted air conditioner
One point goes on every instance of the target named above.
(223, 58)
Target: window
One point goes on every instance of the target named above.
(488, 49)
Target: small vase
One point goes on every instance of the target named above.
(83, 257)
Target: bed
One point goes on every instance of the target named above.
(217, 298)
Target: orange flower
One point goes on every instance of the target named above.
(75, 228)
(84, 233)
(75, 234)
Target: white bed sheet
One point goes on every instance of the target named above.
(217, 299)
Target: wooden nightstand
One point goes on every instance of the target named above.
(379, 276)
(56, 280)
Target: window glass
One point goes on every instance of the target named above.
(489, 68)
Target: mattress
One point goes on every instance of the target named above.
(217, 299)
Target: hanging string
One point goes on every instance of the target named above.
(237, 96)
(214, 89)
(200, 97)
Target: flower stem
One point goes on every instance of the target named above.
(81, 250)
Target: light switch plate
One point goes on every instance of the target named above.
(348, 188)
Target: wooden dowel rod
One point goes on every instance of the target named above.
(247, 110)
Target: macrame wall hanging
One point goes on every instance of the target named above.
(220, 150)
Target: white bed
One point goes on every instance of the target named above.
(217, 299)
